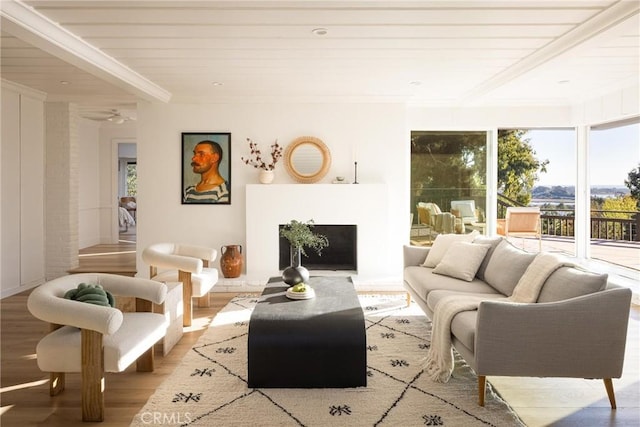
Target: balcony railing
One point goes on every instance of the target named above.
(560, 222)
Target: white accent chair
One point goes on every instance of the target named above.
(188, 264)
(467, 210)
(431, 215)
(93, 339)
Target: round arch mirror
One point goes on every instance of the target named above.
(307, 159)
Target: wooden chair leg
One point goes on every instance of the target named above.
(146, 361)
(408, 299)
(608, 384)
(187, 291)
(92, 376)
(203, 301)
(482, 380)
(56, 383)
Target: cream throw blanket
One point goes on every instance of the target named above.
(439, 365)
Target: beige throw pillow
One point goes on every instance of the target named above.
(462, 260)
(441, 245)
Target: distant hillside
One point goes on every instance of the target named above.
(569, 191)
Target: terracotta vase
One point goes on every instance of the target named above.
(231, 261)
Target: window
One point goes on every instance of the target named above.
(446, 167)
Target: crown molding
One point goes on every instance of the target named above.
(23, 90)
(27, 24)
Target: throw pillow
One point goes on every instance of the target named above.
(92, 294)
(568, 282)
(462, 260)
(493, 243)
(506, 267)
(441, 245)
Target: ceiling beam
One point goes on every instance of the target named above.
(32, 27)
(615, 15)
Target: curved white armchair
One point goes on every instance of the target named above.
(188, 264)
(93, 339)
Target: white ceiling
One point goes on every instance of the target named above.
(509, 52)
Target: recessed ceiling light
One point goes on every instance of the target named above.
(216, 83)
(320, 31)
(64, 82)
(563, 82)
(415, 83)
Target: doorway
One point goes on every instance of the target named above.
(127, 178)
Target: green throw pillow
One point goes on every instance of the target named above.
(92, 294)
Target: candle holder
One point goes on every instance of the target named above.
(355, 172)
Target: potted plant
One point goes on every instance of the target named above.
(300, 236)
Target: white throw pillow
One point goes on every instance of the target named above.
(462, 260)
(441, 245)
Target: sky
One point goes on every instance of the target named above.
(613, 154)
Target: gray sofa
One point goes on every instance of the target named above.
(577, 328)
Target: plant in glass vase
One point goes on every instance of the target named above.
(266, 166)
(300, 236)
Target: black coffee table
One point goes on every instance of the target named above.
(314, 343)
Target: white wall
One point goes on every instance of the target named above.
(89, 184)
(22, 189)
(375, 133)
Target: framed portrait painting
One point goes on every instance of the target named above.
(206, 168)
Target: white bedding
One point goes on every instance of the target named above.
(125, 218)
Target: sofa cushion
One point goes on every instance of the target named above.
(462, 260)
(423, 281)
(463, 325)
(506, 266)
(441, 245)
(493, 242)
(567, 282)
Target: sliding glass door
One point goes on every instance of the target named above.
(448, 179)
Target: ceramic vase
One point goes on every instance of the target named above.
(295, 273)
(231, 260)
(266, 177)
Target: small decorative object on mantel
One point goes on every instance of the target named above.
(340, 180)
(231, 261)
(266, 166)
(300, 235)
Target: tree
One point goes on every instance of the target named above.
(518, 165)
(620, 203)
(633, 184)
(447, 165)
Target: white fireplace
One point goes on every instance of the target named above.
(365, 205)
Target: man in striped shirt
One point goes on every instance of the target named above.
(212, 188)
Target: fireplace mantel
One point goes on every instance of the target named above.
(365, 205)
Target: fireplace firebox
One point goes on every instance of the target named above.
(341, 254)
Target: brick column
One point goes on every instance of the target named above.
(61, 188)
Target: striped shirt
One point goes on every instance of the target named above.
(219, 194)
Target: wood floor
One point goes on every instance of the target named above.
(25, 400)
(25, 389)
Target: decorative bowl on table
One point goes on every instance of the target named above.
(300, 291)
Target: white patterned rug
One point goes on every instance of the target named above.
(209, 387)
